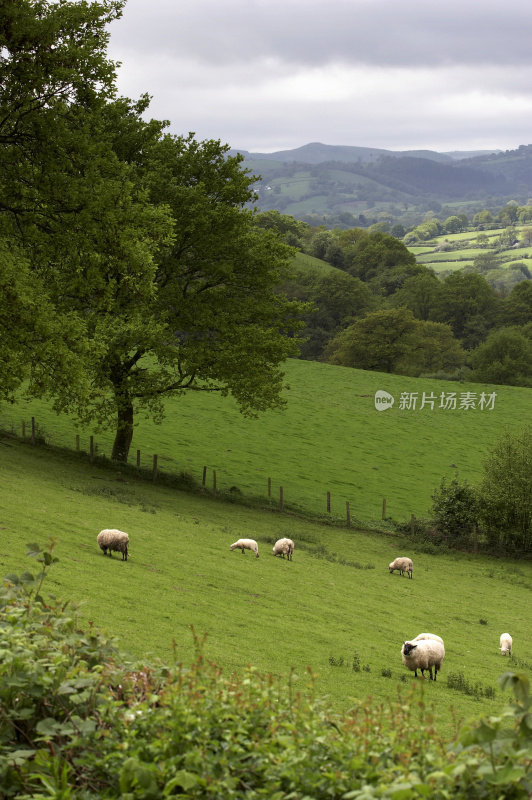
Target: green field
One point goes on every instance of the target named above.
(429, 255)
(330, 438)
(333, 605)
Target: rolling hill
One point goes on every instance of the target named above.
(362, 184)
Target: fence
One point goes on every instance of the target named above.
(34, 438)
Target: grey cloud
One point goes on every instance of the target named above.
(313, 32)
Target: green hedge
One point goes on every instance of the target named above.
(78, 721)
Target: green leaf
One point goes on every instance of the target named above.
(186, 780)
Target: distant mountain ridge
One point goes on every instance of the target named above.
(318, 153)
(349, 185)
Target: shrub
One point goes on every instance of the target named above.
(455, 511)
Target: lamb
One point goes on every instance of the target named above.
(403, 564)
(284, 547)
(505, 644)
(113, 539)
(423, 654)
(246, 544)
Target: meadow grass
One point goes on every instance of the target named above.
(302, 261)
(329, 438)
(334, 607)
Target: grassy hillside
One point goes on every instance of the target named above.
(330, 438)
(333, 605)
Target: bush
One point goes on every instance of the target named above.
(79, 723)
(505, 491)
(455, 511)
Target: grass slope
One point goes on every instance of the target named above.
(330, 438)
(335, 601)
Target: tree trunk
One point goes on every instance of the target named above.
(124, 428)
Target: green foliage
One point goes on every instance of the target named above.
(79, 722)
(154, 267)
(455, 511)
(505, 357)
(392, 340)
(505, 492)
(469, 305)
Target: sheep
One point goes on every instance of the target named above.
(505, 644)
(403, 564)
(423, 655)
(422, 636)
(284, 547)
(246, 544)
(112, 539)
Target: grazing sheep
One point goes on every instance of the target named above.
(505, 644)
(403, 564)
(422, 636)
(284, 547)
(423, 655)
(246, 544)
(112, 539)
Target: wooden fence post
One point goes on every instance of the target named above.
(214, 482)
(328, 502)
(384, 508)
(269, 487)
(412, 524)
(281, 498)
(33, 430)
(77, 442)
(348, 514)
(91, 449)
(204, 476)
(23, 430)
(138, 459)
(154, 468)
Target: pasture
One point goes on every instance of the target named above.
(468, 248)
(334, 609)
(329, 438)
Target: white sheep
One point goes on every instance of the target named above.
(423, 654)
(505, 644)
(403, 564)
(246, 544)
(113, 539)
(284, 547)
(422, 636)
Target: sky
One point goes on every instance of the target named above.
(268, 75)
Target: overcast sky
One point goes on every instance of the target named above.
(266, 75)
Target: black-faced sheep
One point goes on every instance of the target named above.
(403, 564)
(284, 547)
(423, 654)
(246, 544)
(505, 644)
(113, 539)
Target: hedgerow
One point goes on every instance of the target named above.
(78, 721)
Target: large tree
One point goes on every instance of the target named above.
(208, 318)
(140, 244)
